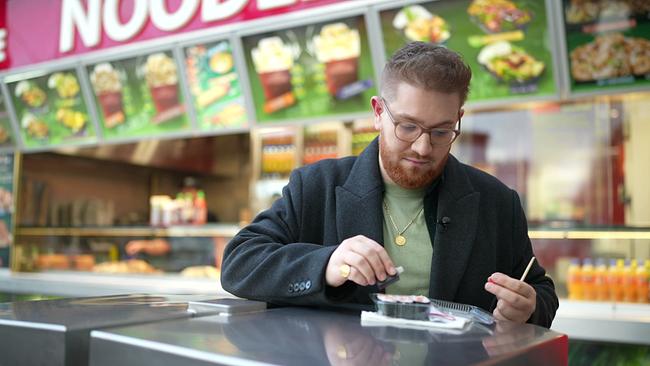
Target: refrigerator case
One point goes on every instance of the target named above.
(56, 332)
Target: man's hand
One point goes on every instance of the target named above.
(516, 299)
(367, 259)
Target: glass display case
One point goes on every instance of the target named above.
(98, 209)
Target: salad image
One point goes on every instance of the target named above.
(72, 119)
(495, 16)
(66, 84)
(35, 127)
(419, 24)
(30, 93)
(510, 64)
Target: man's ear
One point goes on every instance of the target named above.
(377, 110)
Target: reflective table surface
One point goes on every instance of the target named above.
(56, 332)
(301, 336)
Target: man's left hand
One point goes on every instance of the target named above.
(516, 300)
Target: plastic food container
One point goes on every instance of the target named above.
(402, 306)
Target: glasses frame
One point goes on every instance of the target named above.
(422, 129)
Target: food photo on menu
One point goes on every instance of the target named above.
(67, 90)
(337, 48)
(495, 16)
(161, 76)
(215, 86)
(273, 60)
(611, 56)
(50, 109)
(585, 11)
(107, 83)
(419, 24)
(511, 65)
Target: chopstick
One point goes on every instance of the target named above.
(530, 264)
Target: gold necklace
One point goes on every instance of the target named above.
(400, 239)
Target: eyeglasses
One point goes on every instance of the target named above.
(409, 131)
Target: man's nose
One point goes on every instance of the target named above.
(422, 145)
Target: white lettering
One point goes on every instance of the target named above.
(87, 24)
(272, 4)
(165, 21)
(3, 45)
(113, 26)
(212, 10)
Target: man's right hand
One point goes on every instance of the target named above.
(368, 261)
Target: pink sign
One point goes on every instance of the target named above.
(37, 31)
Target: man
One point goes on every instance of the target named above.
(342, 225)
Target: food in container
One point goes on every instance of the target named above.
(162, 78)
(338, 48)
(35, 127)
(273, 60)
(72, 119)
(30, 94)
(66, 84)
(510, 64)
(495, 16)
(402, 306)
(419, 24)
(108, 88)
(610, 56)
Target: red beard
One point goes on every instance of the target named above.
(410, 178)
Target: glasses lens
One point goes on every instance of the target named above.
(442, 136)
(407, 131)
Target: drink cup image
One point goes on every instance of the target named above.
(338, 48)
(108, 88)
(273, 61)
(162, 79)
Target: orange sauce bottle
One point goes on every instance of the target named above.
(574, 280)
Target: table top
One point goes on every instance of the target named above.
(319, 337)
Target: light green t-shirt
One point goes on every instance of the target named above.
(415, 255)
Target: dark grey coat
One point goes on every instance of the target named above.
(281, 257)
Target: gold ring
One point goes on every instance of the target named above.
(341, 352)
(344, 269)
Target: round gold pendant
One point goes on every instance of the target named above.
(400, 240)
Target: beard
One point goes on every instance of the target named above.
(410, 178)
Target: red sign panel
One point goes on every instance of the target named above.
(36, 31)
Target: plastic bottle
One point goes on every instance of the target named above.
(574, 280)
(600, 280)
(642, 289)
(588, 279)
(629, 281)
(615, 276)
(200, 209)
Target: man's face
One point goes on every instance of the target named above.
(414, 164)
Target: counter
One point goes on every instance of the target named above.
(301, 336)
(56, 332)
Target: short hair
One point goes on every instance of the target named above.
(429, 67)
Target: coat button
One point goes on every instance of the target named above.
(290, 287)
(308, 284)
(302, 286)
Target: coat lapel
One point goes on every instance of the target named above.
(358, 200)
(452, 245)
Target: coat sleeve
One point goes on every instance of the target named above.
(266, 262)
(547, 302)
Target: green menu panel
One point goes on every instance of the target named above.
(214, 86)
(506, 43)
(51, 110)
(6, 134)
(138, 97)
(311, 71)
(608, 44)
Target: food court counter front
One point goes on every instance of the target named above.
(196, 330)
